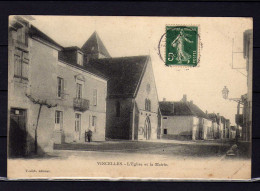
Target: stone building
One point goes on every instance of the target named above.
(132, 101)
(215, 118)
(52, 96)
(184, 120)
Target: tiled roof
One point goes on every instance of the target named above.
(33, 31)
(124, 73)
(88, 68)
(181, 109)
(94, 45)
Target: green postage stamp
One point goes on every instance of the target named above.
(181, 46)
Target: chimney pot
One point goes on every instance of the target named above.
(164, 99)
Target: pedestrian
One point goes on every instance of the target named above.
(89, 135)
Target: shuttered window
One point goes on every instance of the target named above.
(94, 97)
(60, 87)
(77, 122)
(79, 91)
(21, 64)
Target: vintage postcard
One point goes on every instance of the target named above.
(129, 98)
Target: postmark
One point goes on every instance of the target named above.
(180, 46)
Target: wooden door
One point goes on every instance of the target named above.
(17, 132)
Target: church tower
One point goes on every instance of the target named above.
(94, 48)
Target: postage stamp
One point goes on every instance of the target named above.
(181, 46)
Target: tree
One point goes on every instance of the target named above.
(40, 103)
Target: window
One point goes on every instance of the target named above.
(60, 89)
(58, 120)
(164, 117)
(147, 105)
(94, 97)
(118, 109)
(21, 35)
(80, 59)
(79, 91)
(77, 122)
(165, 131)
(21, 64)
(94, 122)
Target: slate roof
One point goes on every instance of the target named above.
(181, 109)
(88, 68)
(72, 48)
(33, 31)
(124, 74)
(94, 45)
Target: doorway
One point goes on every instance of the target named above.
(77, 127)
(17, 132)
(147, 129)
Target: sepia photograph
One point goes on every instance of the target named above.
(129, 98)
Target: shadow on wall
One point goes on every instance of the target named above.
(21, 143)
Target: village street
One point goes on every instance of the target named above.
(171, 148)
(113, 159)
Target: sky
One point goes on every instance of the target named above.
(133, 36)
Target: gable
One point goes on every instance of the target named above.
(146, 89)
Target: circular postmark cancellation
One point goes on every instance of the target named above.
(180, 46)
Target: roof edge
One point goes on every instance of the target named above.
(142, 75)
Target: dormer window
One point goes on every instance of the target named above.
(80, 59)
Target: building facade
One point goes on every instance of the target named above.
(132, 103)
(184, 120)
(51, 99)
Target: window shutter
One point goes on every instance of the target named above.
(95, 97)
(89, 124)
(63, 91)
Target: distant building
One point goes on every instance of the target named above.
(215, 120)
(42, 71)
(184, 120)
(232, 134)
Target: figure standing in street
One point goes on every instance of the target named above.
(89, 135)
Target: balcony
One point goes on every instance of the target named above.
(80, 104)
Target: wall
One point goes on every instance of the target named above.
(185, 126)
(71, 76)
(42, 85)
(119, 127)
(38, 86)
(207, 129)
(143, 93)
(17, 88)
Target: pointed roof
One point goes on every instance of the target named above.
(94, 45)
(180, 108)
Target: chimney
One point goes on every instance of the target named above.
(206, 111)
(191, 101)
(184, 99)
(164, 99)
